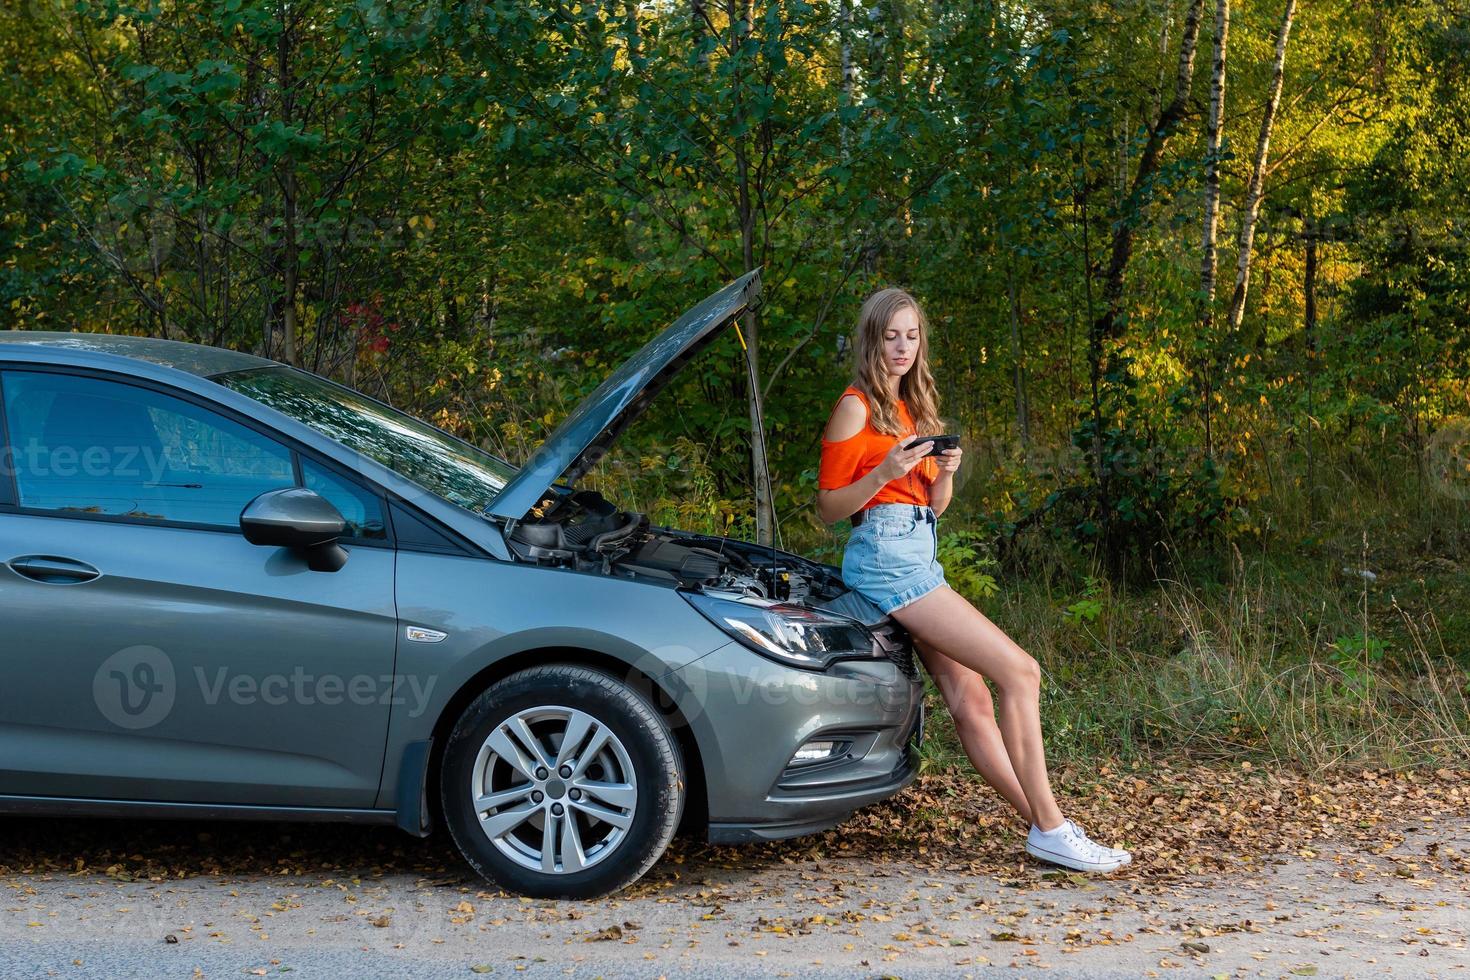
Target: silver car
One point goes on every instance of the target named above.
(236, 589)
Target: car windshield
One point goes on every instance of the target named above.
(437, 461)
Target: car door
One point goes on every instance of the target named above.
(149, 651)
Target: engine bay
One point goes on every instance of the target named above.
(582, 530)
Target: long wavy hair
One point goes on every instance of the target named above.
(916, 387)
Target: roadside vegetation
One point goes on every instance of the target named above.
(1196, 274)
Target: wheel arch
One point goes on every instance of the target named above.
(696, 799)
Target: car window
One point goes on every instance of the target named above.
(363, 511)
(455, 470)
(88, 445)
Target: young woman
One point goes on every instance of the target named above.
(875, 469)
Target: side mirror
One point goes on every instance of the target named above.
(299, 519)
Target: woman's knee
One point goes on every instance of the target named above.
(1021, 675)
(963, 690)
(971, 707)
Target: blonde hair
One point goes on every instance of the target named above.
(915, 387)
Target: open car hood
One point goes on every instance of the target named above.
(585, 435)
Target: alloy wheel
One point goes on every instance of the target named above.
(554, 789)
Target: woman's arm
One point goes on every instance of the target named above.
(942, 489)
(834, 505)
(848, 418)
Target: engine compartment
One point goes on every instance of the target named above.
(582, 530)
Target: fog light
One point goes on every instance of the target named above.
(819, 750)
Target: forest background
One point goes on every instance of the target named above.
(1196, 271)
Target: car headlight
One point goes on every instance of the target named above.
(794, 635)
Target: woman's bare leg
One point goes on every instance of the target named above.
(973, 711)
(947, 621)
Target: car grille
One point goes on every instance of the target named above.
(898, 647)
(905, 661)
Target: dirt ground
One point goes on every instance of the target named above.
(1235, 874)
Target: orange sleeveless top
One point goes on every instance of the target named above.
(845, 461)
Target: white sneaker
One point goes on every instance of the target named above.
(1127, 857)
(1068, 846)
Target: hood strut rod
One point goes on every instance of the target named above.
(765, 459)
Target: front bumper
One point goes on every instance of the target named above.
(833, 807)
(750, 715)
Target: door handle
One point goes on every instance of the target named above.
(53, 570)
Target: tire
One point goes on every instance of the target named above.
(620, 828)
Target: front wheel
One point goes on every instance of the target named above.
(560, 781)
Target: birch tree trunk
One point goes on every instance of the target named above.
(698, 20)
(844, 31)
(1158, 106)
(1208, 250)
(1212, 165)
(1254, 191)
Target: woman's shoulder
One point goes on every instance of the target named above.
(849, 417)
(852, 389)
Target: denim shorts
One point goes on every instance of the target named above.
(891, 558)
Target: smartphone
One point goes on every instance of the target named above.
(940, 443)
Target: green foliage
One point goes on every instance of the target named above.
(1358, 657)
(477, 210)
(968, 567)
(1140, 495)
(1089, 607)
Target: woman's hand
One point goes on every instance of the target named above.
(949, 461)
(902, 458)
